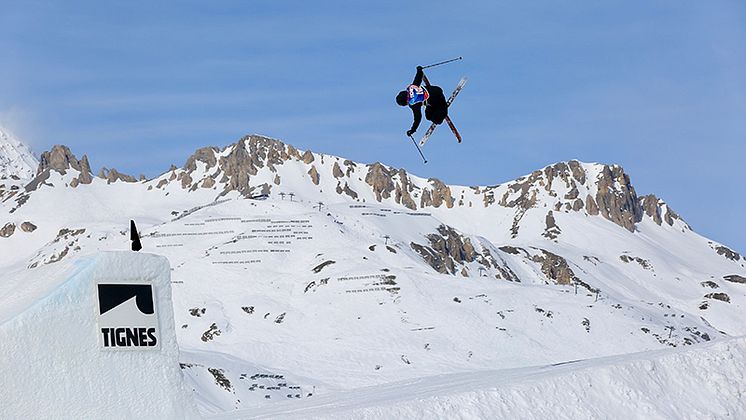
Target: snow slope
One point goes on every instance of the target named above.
(15, 158)
(705, 381)
(299, 275)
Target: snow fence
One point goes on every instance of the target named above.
(100, 345)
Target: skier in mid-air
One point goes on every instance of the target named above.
(436, 107)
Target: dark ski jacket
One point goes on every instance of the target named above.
(436, 108)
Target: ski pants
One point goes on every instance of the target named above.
(436, 109)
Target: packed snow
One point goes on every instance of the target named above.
(53, 366)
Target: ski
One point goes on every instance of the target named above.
(430, 130)
(453, 128)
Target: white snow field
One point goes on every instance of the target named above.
(53, 367)
(15, 158)
(706, 381)
(302, 277)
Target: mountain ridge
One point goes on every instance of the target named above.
(235, 168)
(306, 271)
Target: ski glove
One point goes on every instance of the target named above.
(410, 132)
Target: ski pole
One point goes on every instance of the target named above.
(443, 62)
(418, 148)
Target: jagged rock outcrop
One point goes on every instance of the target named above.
(235, 169)
(447, 249)
(567, 186)
(551, 231)
(307, 157)
(28, 227)
(726, 252)
(206, 155)
(337, 171)
(440, 193)
(723, 297)
(7, 230)
(556, 268)
(591, 206)
(616, 198)
(403, 190)
(653, 207)
(346, 190)
(449, 252)
(380, 180)
(112, 175)
(314, 174)
(60, 159)
(643, 262)
(735, 278)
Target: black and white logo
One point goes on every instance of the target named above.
(127, 317)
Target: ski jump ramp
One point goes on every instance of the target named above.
(99, 344)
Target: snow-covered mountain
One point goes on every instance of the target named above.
(299, 275)
(16, 160)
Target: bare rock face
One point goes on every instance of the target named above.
(448, 252)
(556, 268)
(314, 174)
(28, 227)
(440, 193)
(209, 182)
(734, 278)
(337, 171)
(651, 208)
(616, 198)
(112, 175)
(526, 198)
(566, 187)
(380, 179)
(346, 190)
(207, 155)
(551, 231)
(591, 206)
(237, 166)
(577, 171)
(86, 176)
(307, 157)
(643, 262)
(723, 297)
(447, 249)
(240, 162)
(60, 159)
(403, 188)
(7, 230)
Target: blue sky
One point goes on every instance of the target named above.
(658, 87)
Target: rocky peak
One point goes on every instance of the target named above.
(616, 198)
(596, 189)
(235, 165)
(60, 159)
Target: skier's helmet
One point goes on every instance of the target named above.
(401, 98)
